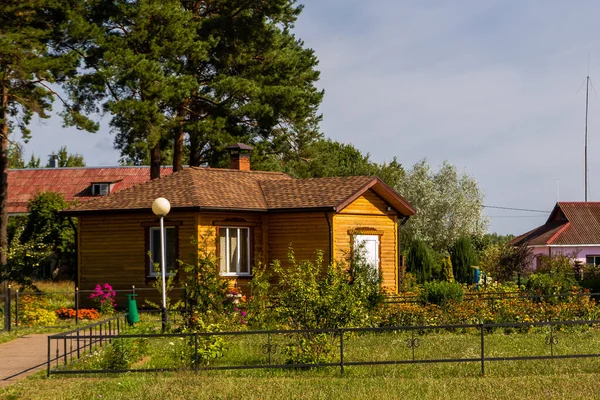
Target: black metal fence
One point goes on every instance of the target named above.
(11, 302)
(263, 349)
(64, 347)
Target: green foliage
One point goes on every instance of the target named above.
(502, 261)
(463, 257)
(42, 241)
(312, 296)
(260, 307)
(210, 348)
(547, 285)
(15, 156)
(447, 271)
(32, 60)
(206, 291)
(169, 285)
(169, 69)
(121, 353)
(420, 261)
(65, 159)
(314, 349)
(448, 204)
(441, 292)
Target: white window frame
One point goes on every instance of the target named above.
(227, 250)
(153, 273)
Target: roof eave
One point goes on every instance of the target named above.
(399, 203)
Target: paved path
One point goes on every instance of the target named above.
(21, 357)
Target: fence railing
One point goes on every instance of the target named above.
(64, 347)
(11, 302)
(263, 347)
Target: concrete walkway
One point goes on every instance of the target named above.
(22, 357)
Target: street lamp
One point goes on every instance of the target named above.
(161, 208)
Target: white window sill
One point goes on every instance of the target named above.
(237, 275)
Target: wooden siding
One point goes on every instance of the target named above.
(369, 213)
(305, 233)
(112, 249)
(369, 204)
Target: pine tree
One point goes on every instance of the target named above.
(419, 261)
(29, 64)
(200, 74)
(463, 258)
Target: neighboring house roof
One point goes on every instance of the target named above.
(570, 223)
(73, 183)
(228, 189)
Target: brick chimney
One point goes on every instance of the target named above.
(239, 154)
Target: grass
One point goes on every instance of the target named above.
(537, 379)
(389, 382)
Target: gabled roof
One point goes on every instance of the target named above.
(570, 223)
(227, 189)
(72, 183)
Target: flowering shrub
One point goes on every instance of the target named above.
(34, 311)
(84, 313)
(475, 310)
(104, 297)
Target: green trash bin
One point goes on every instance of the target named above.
(132, 311)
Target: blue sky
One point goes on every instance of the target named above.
(490, 86)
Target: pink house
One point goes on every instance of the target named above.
(573, 228)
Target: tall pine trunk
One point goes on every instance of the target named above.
(155, 161)
(4, 176)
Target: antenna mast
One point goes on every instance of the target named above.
(587, 89)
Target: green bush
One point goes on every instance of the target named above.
(546, 285)
(310, 349)
(463, 257)
(123, 352)
(419, 261)
(441, 292)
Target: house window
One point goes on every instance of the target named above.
(100, 189)
(234, 251)
(171, 247)
(593, 260)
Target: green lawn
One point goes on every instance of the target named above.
(538, 379)
(315, 385)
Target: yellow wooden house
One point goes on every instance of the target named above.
(246, 215)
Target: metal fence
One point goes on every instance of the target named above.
(64, 347)
(263, 348)
(11, 302)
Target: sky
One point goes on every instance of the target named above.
(496, 88)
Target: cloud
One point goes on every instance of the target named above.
(489, 86)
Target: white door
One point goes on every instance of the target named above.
(369, 246)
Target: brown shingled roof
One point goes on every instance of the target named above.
(312, 192)
(193, 187)
(570, 223)
(207, 188)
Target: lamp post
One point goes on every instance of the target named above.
(161, 207)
